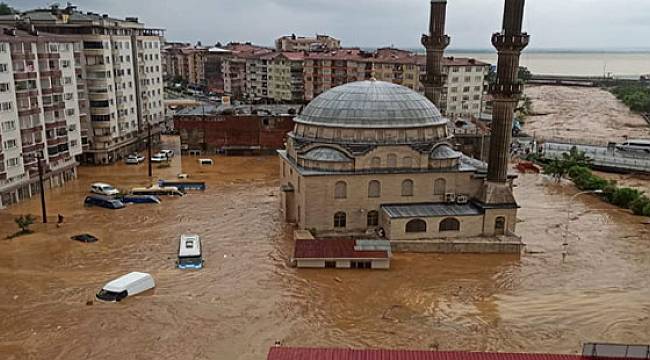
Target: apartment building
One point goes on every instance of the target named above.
(39, 111)
(286, 82)
(325, 70)
(238, 82)
(294, 43)
(186, 62)
(466, 85)
(120, 63)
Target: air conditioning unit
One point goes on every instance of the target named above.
(461, 199)
(450, 197)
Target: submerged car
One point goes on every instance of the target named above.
(168, 153)
(86, 238)
(159, 157)
(126, 285)
(103, 201)
(134, 159)
(103, 189)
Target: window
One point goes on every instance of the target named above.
(10, 144)
(13, 162)
(375, 162)
(361, 264)
(69, 112)
(392, 161)
(68, 96)
(407, 187)
(416, 226)
(407, 162)
(439, 187)
(67, 80)
(3, 47)
(339, 220)
(449, 224)
(65, 64)
(500, 225)
(8, 126)
(340, 190)
(6, 106)
(330, 264)
(373, 218)
(374, 189)
(4, 87)
(3, 67)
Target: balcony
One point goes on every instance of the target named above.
(55, 73)
(25, 75)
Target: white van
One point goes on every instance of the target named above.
(103, 189)
(205, 161)
(189, 252)
(126, 285)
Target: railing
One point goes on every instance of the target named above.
(602, 157)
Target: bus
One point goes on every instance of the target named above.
(157, 190)
(189, 252)
(183, 185)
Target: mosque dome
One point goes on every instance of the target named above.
(326, 154)
(371, 104)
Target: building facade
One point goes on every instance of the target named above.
(294, 43)
(39, 111)
(373, 157)
(121, 66)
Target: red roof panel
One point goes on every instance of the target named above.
(288, 353)
(333, 249)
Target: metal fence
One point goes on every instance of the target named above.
(602, 157)
(616, 351)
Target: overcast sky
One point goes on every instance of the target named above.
(553, 24)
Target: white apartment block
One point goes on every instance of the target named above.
(39, 112)
(465, 88)
(119, 70)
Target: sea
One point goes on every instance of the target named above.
(618, 64)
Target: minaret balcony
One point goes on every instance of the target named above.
(435, 42)
(503, 42)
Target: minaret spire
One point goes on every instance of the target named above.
(435, 43)
(507, 89)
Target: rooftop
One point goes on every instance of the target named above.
(288, 353)
(430, 209)
(334, 249)
(211, 109)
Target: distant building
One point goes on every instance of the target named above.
(39, 110)
(184, 61)
(120, 72)
(294, 43)
(232, 130)
(372, 158)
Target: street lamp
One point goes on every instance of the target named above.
(565, 244)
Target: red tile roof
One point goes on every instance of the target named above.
(288, 353)
(333, 249)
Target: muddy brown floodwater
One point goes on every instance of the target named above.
(247, 297)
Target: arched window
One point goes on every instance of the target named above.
(375, 162)
(439, 187)
(373, 218)
(416, 226)
(391, 161)
(339, 219)
(407, 162)
(374, 189)
(449, 224)
(500, 225)
(340, 190)
(407, 187)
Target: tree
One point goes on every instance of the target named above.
(6, 9)
(24, 221)
(524, 74)
(559, 168)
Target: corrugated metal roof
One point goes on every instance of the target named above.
(287, 353)
(371, 104)
(430, 209)
(333, 249)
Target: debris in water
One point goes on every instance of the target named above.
(338, 279)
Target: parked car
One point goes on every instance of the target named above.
(103, 201)
(126, 285)
(159, 157)
(103, 189)
(134, 159)
(87, 238)
(168, 153)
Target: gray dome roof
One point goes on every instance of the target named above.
(371, 104)
(444, 152)
(326, 154)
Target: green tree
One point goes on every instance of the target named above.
(24, 222)
(6, 9)
(559, 168)
(524, 74)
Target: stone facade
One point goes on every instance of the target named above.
(339, 173)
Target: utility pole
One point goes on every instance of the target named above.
(149, 148)
(39, 157)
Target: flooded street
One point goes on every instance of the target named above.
(247, 297)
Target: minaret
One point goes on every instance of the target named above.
(435, 42)
(507, 89)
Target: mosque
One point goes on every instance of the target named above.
(372, 159)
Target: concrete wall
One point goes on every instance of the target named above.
(457, 247)
(470, 226)
(342, 264)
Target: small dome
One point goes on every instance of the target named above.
(444, 152)
(371, 104)
(326, 154)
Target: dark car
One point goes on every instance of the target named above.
(103, 201)
(87, 238)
